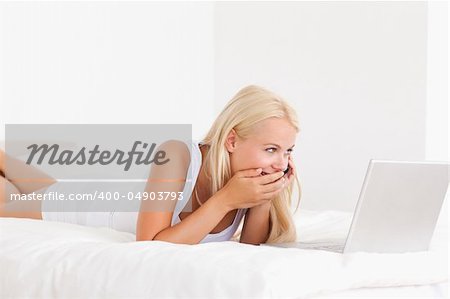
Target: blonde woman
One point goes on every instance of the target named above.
(243, 171)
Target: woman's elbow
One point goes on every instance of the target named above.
(146, 236)
(250, 242)
(141, 238)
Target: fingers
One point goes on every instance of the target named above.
(250, 172)
(271, 195)
(280, 183)
(275, 186)
(290, 178)
(269, 178)
(291, 172)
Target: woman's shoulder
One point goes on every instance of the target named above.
(185, 149)
(176, 149)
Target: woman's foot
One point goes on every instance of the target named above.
(2, 163)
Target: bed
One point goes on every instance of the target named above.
(57, 260)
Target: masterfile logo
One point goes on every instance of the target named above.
(102, 168)
(68, 157)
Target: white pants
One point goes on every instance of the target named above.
(117, 220)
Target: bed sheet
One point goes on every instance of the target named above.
(58, 260)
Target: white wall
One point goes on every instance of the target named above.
(438, 126)
(355, 71)
(106, 62)
(437, 146)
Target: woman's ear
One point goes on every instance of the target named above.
(230, 142)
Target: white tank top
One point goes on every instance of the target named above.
(193, 172)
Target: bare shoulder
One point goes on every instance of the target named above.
(178, 159)
(176, 149)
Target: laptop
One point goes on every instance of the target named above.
(397, 209)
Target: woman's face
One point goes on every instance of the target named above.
(269, 147)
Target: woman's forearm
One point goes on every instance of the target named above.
(256, 225)
(198, 224)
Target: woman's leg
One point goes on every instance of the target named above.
(16, 209)
(25, 177)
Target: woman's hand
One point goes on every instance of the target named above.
(256, 227)
(289, 178)
(290, 175)
(247, 188)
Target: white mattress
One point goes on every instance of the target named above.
(56, 260)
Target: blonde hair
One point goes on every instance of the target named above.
(249, 106)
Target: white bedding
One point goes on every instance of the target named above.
(56, 260)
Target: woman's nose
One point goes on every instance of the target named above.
(281, 164)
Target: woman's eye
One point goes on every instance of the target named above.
(274, 149)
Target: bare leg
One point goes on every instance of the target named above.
(25, 177)
(7, 209)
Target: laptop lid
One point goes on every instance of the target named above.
(398, 206)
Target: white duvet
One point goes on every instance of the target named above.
(56, 260)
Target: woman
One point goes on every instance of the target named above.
(248, 150)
